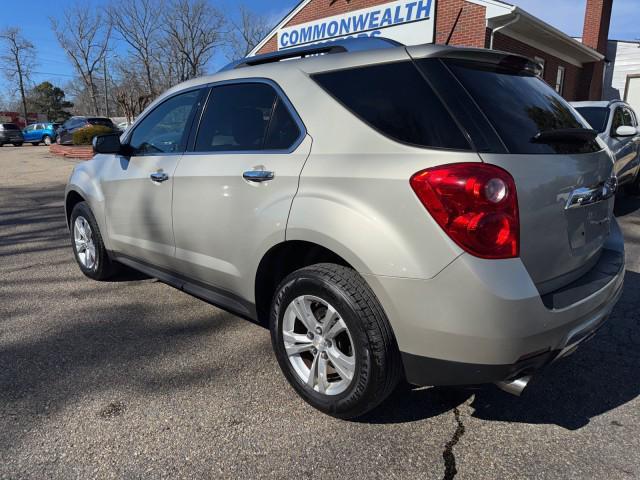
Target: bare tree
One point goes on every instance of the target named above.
(131, 94)
(248, 30)
(18, 59)
(84, 35)
(194, 29)
(140, 25)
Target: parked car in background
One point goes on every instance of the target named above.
(11, 133)
(41, 133)
(617, 125)
(452, 224)
(65, 132)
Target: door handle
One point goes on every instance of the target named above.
(258, 175)
(159, 177)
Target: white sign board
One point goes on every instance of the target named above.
(410, 22)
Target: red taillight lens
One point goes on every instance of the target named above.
(476, 204)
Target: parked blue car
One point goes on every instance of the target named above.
(41, 133)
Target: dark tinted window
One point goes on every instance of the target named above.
(520, 105)
(10, 126)
(395, 100)
(598, 117)
(245, 117)
(105, 122)
(165, 128)
(283, 130)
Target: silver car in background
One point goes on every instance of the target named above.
(427, 213)
(617, 124)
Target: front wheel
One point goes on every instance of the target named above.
(333, 341)
(88, 247)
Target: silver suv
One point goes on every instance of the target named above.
(617, 125)
(426, 213)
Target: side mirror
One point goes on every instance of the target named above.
(107, 144)
(626, 131)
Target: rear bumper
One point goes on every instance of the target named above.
(482, 321)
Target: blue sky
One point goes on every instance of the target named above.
(567, 15)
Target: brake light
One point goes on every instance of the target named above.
(475, 204)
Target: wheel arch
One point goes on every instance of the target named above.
(72, 198)
(283, 259)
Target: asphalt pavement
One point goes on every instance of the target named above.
(134, 379)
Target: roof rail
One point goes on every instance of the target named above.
(334, 46)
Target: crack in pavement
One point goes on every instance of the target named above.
(450, 470)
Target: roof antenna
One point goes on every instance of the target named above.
(455, 24)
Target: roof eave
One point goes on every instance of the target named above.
(551, 30)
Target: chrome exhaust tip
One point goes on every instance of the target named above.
(515, 387)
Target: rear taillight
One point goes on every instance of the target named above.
(476, 205)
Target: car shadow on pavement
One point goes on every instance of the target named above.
(601, 376)
(120, 348)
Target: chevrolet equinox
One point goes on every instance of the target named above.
(432, 214)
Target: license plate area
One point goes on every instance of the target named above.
(588, 226)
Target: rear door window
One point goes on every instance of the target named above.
(520, 105)
(395, 100)
(246, 117)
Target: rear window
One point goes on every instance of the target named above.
(520, 105)
(598, 117)
(395, 100)
(10, 126)
(105, 122)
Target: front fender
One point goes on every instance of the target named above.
(85, 182)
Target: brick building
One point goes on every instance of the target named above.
(575, 68)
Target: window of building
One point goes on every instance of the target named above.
(246, 117)
(560, 79)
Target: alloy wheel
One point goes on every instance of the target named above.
(318, 345)
(85, 246)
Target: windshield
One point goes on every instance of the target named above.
(520, 106)
(598, 117)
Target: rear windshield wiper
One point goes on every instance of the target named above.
(565, 135)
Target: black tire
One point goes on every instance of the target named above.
(104, 268)
(17, 144)
(35, 144)
(377, 359)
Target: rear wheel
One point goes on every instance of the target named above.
(88, 247)
(47, 140)
(333, 341)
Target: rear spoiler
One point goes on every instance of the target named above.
(476, 55)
